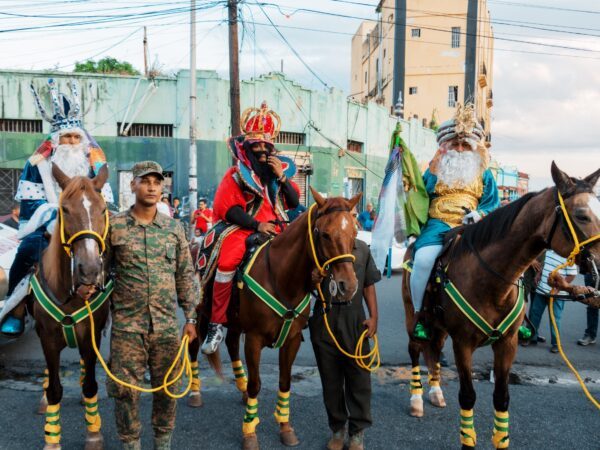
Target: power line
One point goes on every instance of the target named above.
(555, 8)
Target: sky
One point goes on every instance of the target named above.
(546, 90)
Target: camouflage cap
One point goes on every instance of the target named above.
(147, 167)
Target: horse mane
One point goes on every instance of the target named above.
(490, 229)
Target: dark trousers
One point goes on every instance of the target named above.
(592, 313)
(29, 252)
(346, 389)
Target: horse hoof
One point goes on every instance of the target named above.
(250, 442)
(42, 406)
(288, 437)
(195, 400)
(244, 397)
(416, 407)
(437, 399)
(94, 441)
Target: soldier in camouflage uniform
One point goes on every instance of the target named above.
(153, 267)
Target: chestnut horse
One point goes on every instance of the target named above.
(284, 268)
(72, 270)
(484, 263)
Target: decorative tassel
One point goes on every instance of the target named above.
(416, 388)
(251, 419)
(467, 428)
(282, 411)
(92, 415)
(241, 381)
(196, 381)
(500, 435)
(52, 427)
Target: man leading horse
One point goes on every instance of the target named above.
(251, 198)
(75, 153)
(461, 190)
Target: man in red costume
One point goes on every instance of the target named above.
(252, 197)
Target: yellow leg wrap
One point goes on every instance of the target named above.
(416, 388)
(282, 410)
(52, 427)
(81, 372)
(467, 428)
(500, 434)
(92, 415)
(196, 381)
(433, 379)
(251, 419)
(241, 381)
(46, 381)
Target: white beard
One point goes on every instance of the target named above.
(72, 160)
(459, 169)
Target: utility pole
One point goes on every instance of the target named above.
(193, 181)
(234, 68)
(145, 54)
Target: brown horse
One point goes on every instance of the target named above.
(71, 271)
(485, 262)
(284, 268)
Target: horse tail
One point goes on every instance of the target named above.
(409, 307)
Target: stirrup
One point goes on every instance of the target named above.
(13, 326)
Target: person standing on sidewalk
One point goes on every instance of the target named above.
(347, 387)
(591, 331)
(153, 267)
(541, 299)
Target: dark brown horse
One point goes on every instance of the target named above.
(284, 268)
(71, 272)
(485, 262)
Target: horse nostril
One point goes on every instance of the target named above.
(342, 287)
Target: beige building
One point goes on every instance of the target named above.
(436, 52)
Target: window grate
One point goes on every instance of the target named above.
(288, 137)
(20, 126)
(9, 182)
(412, 90)
(354, 146)
(452, 96)
(415, 32)
(455, 37)
(147, 130)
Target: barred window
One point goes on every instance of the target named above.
(354, 146)
(455, 37)
(452, 96)
(412, 90)
(415, 32)
(288, 137)
(20, 126)
(147, 130)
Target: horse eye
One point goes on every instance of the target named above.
(583, 218)
(326, 236)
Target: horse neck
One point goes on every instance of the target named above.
(56, 265)
(291, 262)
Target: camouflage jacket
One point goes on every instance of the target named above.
(153, 267)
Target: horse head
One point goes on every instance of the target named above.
(583, 210)
(83, 226)
(334, 233)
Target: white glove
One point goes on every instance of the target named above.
(472, 217)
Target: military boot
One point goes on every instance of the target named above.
(133, 445)
(162, 441)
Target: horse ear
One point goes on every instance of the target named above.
(60, 176)
(354, 200)
(318, 197)
(100, 179)
(562, 181)
(593, 178)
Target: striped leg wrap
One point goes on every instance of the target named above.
(196, 381)
(81, 372)
(282, 410)
(500, 434)
(241, 381)
(92, 415)
(46, 382)
(467, 428)
(251, 419)
(416, 388)
(52, 427)
(433, 379)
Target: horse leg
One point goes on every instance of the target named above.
(232, 340)
(504, 354)
(195, 397)
(287, 355)
(89, 386)
(433, 352)
(252, 350)
(44, 400)
(466, 395)
(54, 394)
(416, 388)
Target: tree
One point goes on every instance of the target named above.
(106, 65)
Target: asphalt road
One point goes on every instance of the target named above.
(546, 413)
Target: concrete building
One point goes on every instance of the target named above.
(340, 145)
(435, 52)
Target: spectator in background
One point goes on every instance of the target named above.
(13, 220)
(203, 216)
(505, 199)
(542, 295)
(364, 218)
(591, 331)
(164, 207)
(176, 208)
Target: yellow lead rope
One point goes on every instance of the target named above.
(570, 262)
(187, 366)
(371, 361)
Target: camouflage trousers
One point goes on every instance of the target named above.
(130, 355)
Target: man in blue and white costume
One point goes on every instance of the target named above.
(76, 153)
(461, 190)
